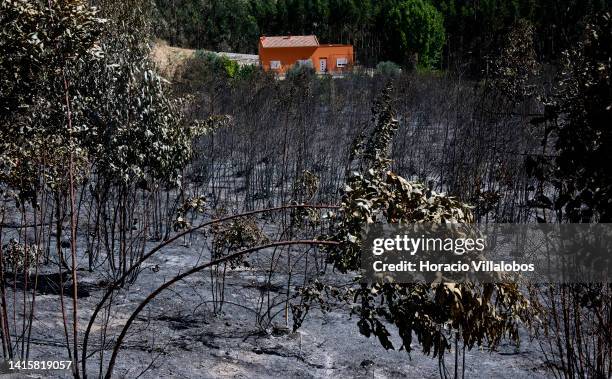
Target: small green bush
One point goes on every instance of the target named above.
(247, 72)
(299, 70)
(388, 68)
(218, 63)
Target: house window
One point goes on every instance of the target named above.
(341, 62)
(275, 65)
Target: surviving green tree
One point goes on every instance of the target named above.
(413, 33)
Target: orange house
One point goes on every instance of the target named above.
(281, 53)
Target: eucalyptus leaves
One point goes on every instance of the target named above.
(477, 314)
(40, 43)
(60, 60)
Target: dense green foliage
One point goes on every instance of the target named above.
(577, 118)
(380, 30)
(77, 85)
(475, 27)
(218, 63)
(224, 25)
(584, 144)
(414, 33)
(39, 49)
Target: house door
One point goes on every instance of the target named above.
(323, 65)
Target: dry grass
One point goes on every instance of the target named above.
(168, 58)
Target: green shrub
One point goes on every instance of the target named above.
(389, 69)
(247, 72)
(300, 70)
(218, 63)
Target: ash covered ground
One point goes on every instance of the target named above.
(179, 334)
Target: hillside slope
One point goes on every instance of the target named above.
(170, 58)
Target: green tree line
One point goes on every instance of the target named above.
(430, 33)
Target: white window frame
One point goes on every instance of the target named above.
(341, 62)
(275, 65)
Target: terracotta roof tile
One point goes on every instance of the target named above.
(289, 41)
